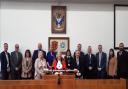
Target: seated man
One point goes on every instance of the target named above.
(59, 63)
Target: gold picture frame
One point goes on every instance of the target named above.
(59, 44)
(58, 19)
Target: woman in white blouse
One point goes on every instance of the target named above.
(40, 65)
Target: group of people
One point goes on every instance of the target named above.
(86, 66)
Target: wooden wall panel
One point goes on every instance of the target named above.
(65, 84)
(100, 84)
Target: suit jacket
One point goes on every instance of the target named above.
(122, 60)
(35, 54)
(91, 62)
(26, 68)
(103, 62)
(4, 64)
(70, 62)
(81, 66)
(16, 63)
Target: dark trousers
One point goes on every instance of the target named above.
(101, 74)
(26, 78)
(91, 75)
(123, 75)
(16, 75)
(112, 77)
(5, 75)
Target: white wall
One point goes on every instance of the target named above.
(121, 25)
(28, 23)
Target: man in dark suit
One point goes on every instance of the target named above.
(91, 64)
(122, 60)
(79, 46)
(101, 63)
(0, 70)
(79, 65)
(35, 56)
(16, 63)
(5, 63)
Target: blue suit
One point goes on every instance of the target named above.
(50, 57)
(103, 73)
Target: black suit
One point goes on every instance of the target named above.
(4, 62)
(91, 62)
(34, 57)
(122, 66)
(70, 62)
(80, 66)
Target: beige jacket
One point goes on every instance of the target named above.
(112, 67)
(26, 68)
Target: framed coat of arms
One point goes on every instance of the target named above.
(58, 20)
(59, 44)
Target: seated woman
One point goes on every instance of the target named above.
(27, 66)
(59, 63)
(112, 65)
(40, 65)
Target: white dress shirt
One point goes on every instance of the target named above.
(77, 61)
(7, 60)
(100, 55)
(0, 66)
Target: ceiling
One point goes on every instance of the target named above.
(76, 1)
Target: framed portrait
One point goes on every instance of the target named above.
(58, 19)
(59, 44)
